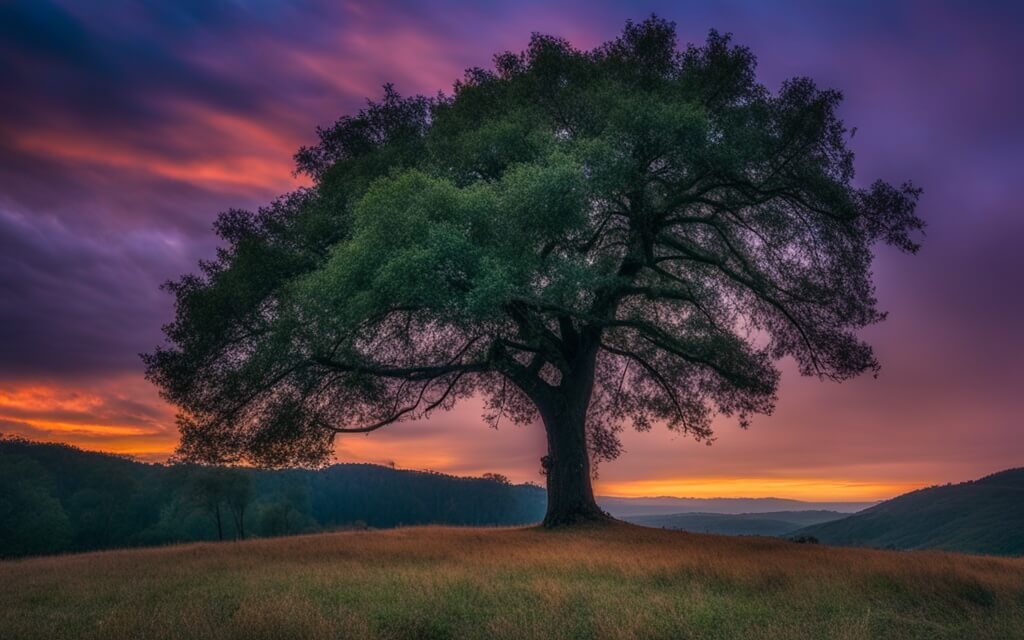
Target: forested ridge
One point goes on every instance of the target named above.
(980, 516)
(57, 498)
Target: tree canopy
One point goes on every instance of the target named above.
(618, 237)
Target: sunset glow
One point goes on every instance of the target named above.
(811, 489)
(122, 418)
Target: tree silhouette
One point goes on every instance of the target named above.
(622, 236)
(238, 494)
(208, 490)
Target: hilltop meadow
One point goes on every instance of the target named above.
(613, 581)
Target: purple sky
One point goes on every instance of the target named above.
(126, 126)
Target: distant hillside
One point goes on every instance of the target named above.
(626, 508)
(983, 516)
(56, 498)
(772, 523)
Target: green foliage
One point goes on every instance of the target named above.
(621, 236)
(32, 520)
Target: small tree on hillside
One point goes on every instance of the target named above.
(624, 236)
(238, 494)
(207, 490)
(497, 477)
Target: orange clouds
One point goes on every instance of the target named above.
(117, 415)
(259, 165)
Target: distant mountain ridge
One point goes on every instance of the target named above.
(772, 523)
(979, 516)
(627, 508)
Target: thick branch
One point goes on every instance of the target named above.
(396, 415)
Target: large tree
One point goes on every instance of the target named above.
(618, 237)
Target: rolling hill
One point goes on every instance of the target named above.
(981, 516)
(772, 523)
(614, 581)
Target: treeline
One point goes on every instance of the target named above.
(57, 498)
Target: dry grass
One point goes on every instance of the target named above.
(612, 582)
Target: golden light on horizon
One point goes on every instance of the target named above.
(811, 489)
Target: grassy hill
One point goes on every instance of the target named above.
(619, 581)
(982, 516)
(771, 523)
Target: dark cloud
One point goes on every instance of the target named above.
(76, 303)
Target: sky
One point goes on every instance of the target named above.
(125, 127)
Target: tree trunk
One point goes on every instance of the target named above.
(567, 465)
(220, 528)
(238, 517)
